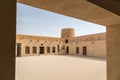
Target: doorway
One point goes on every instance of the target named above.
(67, 50)
(84, 51)
(41, 50)
(53, 49)
(58, 47)
(18, 49)
(77, 50)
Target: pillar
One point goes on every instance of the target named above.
(7, 39)
(113, 52)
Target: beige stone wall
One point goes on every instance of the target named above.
(67, 33)
(38, 42)
(94, 49)
(95, 44)
(113, 52)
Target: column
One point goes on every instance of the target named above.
(113, 52)
(7, 40)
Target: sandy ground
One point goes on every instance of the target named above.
(60, 68)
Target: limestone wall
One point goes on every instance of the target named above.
(35, 41)
(94, 49)
(95, 45)
(67, 33)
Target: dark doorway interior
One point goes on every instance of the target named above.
(58, 47)
(67, 50)
(18, 45)
(53, 49)
(84, 50)
(41, 50)
(77, 50)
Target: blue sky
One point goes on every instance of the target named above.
(34, 21)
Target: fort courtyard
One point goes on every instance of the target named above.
(68, 57)
(60, 67)
(53, 67)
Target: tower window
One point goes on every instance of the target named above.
(66, 41)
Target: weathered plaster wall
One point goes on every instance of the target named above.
(113, 52)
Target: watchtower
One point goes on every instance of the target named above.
(67, 33)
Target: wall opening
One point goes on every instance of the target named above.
(67, 50)
(48, 49)
(38, 24)
(66, 41)
(58, 46)
(84, 50)
(27, 50)
(77, 50)
(41, 50)
(34, 50)
(53, 49)
(18, 49)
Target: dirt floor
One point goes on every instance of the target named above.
(52, 67)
